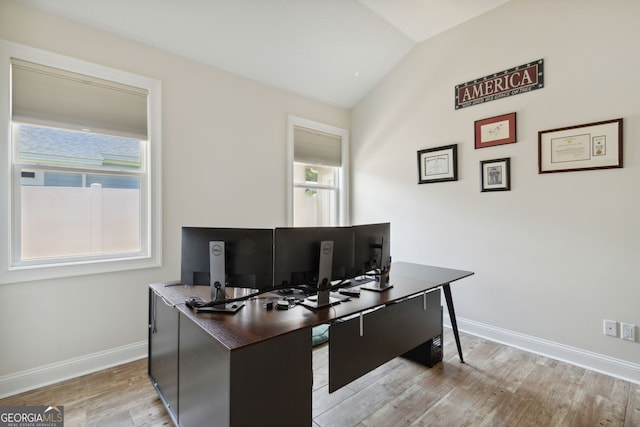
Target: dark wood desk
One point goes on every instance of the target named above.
(254, 367)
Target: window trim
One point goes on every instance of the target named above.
(343, 170)
(151, 255)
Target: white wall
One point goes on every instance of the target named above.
(224, 164)
(556, 255)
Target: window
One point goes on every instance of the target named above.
(315, 195)
(81, 162)
(319, 159)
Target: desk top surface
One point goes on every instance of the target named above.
(253, 323)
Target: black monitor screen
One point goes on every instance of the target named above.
(371, 247)
(297, 252)
(248, 256)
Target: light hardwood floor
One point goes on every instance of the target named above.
(497, 386)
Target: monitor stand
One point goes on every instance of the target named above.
(381, 283)
(217, 280)
(325, 266)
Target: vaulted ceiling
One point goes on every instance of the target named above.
(333, 51)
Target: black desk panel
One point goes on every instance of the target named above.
(362, 343)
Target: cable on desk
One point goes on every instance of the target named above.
(152, 326)
(192, 303)
(166, 302)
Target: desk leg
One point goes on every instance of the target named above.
(452, 315)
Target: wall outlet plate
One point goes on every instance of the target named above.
(611, 328)
(628, 331)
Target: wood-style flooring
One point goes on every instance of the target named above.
(497, 386)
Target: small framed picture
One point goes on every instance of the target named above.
(495, 175)
(495, 130)
(438, 164)
(583, 147)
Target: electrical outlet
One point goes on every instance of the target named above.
(628, 331)
(611, 328)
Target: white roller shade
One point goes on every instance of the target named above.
(315, 147)
(47, 95)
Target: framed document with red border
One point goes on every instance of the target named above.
(496, 130)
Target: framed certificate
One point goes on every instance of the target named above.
(438, 164)
(583, 147)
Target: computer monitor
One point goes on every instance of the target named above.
(302, 252)
(371, 247)
(372, 256)
(248, 256)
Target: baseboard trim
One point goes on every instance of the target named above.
(593, 361)
(49, 374)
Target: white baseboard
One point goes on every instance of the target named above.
(49, 374)
(593, 361)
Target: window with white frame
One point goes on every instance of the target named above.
(82, 168)
(319, 170)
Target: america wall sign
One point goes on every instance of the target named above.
(520, 79)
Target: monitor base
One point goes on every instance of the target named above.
(221, 308)
(376, 286)
(312, 302)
